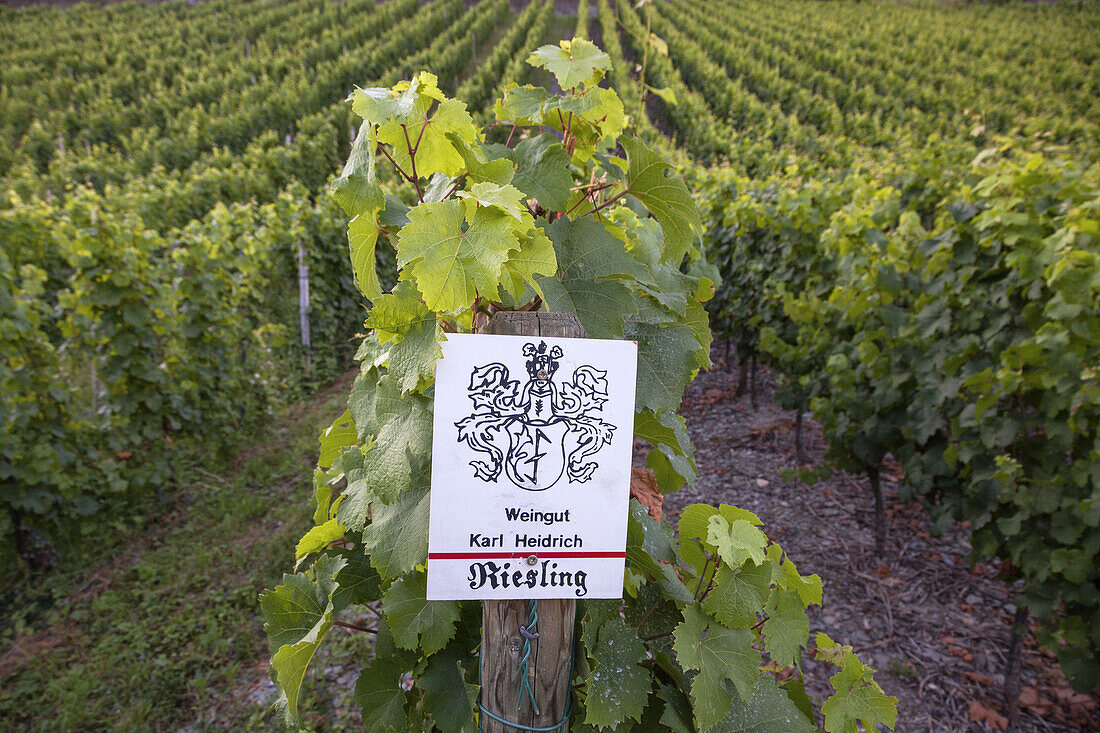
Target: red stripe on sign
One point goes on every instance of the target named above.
(519, 555)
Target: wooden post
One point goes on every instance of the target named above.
(303, 302)
(550, 664)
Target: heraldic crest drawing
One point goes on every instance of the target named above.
(537, 431)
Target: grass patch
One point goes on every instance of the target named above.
(167, 633)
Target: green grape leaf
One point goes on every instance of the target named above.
(358, 581)
(424, 130)
(322, 497)
(596, 614)
(769, 710)
(676, 716)
(335, 438)
(787, 629)
(397, 537)
(395, 214)
(523, 105)
(736, 541)
(507, 198)
(666, 197)
(574, 63)
(395, 312)
(294, 608)
(534, 257)
(378, 105)
(719, 654)
(738, 597)
(857, 697)
(297, 616)
(866, 704)
(673, 460)
(808, 587)
(354, 510)
(379, 695)
(482, 162)
(404, 441)
(655, 615)
(448, 262)
(692, 529)
(417, 623)
(542, 171)
(588, 256)
(412, 359)
(318, 538)
(448, 697)
(617, 687)
(363, 234)
(698, 321)
(666, 363)
(357, 189)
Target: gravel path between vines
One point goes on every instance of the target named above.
(934, 626)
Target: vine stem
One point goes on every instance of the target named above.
(607, 203)
(703, 574)
(648, 614)
(412, 159)
(455, 185)
(355, 627)
(400, 170)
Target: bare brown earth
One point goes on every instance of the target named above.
(934, 625)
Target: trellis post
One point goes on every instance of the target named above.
(550, 664)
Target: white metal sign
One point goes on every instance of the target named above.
(530, 467)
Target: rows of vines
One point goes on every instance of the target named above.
(157, 225)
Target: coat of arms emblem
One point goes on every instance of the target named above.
(538, 431)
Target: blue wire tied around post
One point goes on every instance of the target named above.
(528, 633)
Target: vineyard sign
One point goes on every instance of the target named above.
(531, 456)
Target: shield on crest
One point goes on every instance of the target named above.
(536, 455)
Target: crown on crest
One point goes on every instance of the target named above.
(541, 363)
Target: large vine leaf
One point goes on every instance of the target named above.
(542, 171)
(534, 257)
(617, 687)
(666, 363)
(787, 629)
(417, 623)
(358, 581)
(404, 440)
(719, 654)
(318, 538)
(297, 616)
(397, 537)
(588, 259)
(857, 697)
(736, 541)
(574, 63)
(449, 262)
(357, 189)
(491, 163)
(769, 710)
(335, 438)
(378, 691)
(363, 234)
(422, 126)
(739, 596)
(673, 460)
(448, 697)
(667, 197)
